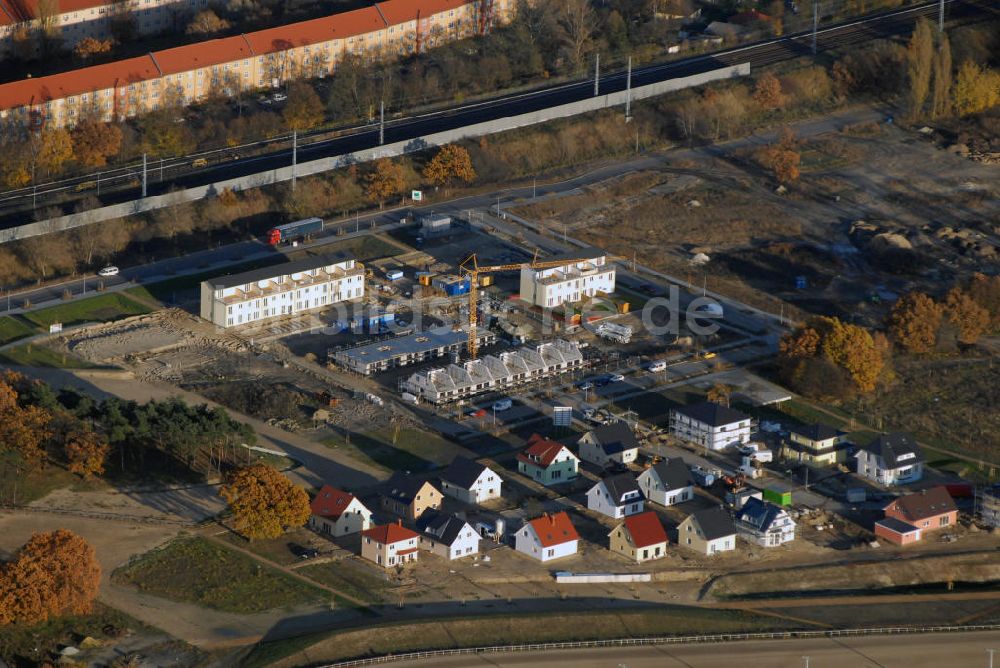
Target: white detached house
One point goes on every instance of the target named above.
(609, 444)
(616, 496)
(334, 512)
(891, 459)
(667, 482)
(547, 538)
(447, 536)
(471, 482)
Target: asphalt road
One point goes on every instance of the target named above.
(961, 650)
(764, 53)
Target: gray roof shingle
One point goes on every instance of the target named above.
(890, 447)
(714, 523)
(462, 472)
(619, 485)
(673, 473)
(712, 414)
(614, 438)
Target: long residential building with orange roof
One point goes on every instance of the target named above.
(261, 59)
(75, 20)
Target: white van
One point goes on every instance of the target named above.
(657, 365)
(502, 404)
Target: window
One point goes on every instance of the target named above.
(550, 553)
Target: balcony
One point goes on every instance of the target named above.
(273, 288)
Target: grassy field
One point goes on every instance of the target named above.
(413, 450)
(103, 308)
(349, 577)
(195, 570)
(40, 355)
(18, 487)
(503, 630)
(12, 329)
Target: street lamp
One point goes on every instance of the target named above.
(990, 652)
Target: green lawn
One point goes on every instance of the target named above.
(103, 308)
(413, 450)
(12, 329)
(195, 570)
(349, 577)
(39, 355)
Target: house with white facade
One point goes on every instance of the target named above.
(891, 459)
(616, 496)
(586, 273)
(286, 289)
(764, 523)
(470, 481)
(335, 512)
(495, 372)
(548, 462)
(447, 536)
(609, 444)
(708, 531)
(390, 545)
(667, 482)
(711, 425)
(548, 537)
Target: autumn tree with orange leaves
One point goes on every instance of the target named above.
(86, 451)
(847, 357)
(385, 180)
(914, 322)
(782, 158)
(969, 318)
(452, 163)
(264, 503)
(23, 429)
(55, 573)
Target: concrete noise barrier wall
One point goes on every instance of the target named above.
(282, 174)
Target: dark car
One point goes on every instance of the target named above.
(303, 552)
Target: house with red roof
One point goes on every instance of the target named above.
(548, 462)
(640, 537)
(335, 512)
(390, 544)
(548, 537)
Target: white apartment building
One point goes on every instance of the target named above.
(585, 274)
(711, 425)
(263, 294)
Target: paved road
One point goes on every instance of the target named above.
(412, 128)
(903, 651)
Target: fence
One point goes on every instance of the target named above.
(274, 176)
(665, 640)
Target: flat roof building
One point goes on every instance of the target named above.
(585, 274)
(405, 350)
(286, 289)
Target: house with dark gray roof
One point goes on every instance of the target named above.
(707, 531)
(469, 481)
(764, 523)
(711, 425)
(891, 459)
(409, 496)
(667, 482)
(616, 496)
(815, 445)
(447, 536)
(609, 444)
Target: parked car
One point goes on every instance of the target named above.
(303, 552)
(616, 378)
(502, 404)
(108, 271)
(279, 97)
(657, 365)
(585, 386)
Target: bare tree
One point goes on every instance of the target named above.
(576, 23)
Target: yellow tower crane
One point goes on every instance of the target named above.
(470, 266)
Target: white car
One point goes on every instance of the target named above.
(279, 97)
(658, 365)
(502, 404)
(108, 271)
(616, 378)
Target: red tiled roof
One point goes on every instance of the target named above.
(84, 80)
(316, 31)
(390, 533)
(403, 11)
(203, 54)
(924, 504)
(331, 502)
(540, 451)
(645, 529)
(554, 530)
(409, 551)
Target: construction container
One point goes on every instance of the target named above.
(394, 274)
(778, 497)
(624, 307)
(425, 277)
(485, 280)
